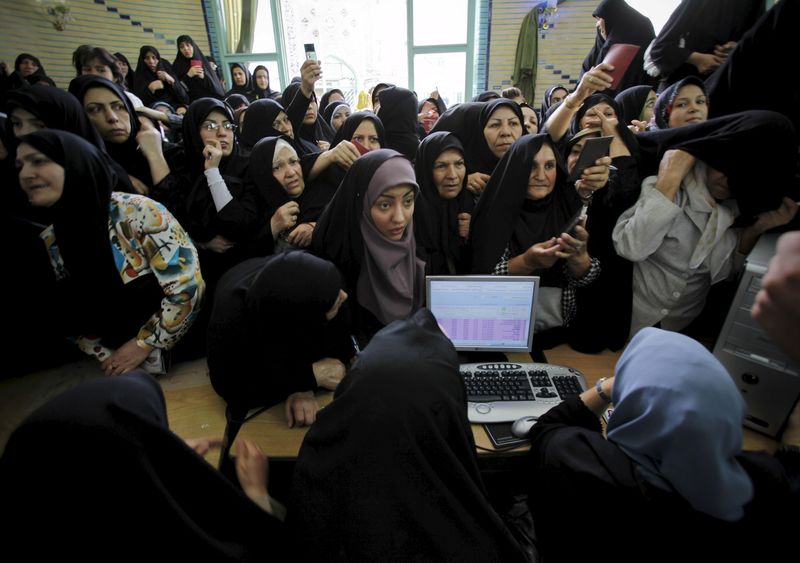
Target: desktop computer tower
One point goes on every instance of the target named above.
(767, 378)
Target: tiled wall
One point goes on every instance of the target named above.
(561, 49)
(116, 25)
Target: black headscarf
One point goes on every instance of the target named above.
(267, 327)
(324, 100)
(144, 76)
(622, 128)
(631, 102)
(127, 154)
(546, 104)
(388, 471)
(81, 220)
(486, 96)
(40, 74)
(263, 94)
(131, 71)
(203, 221)
(209, 85)
(112, 435)
(756, 150)
(320, 131)
(398, 113)
(623, 25)
(442, 213)
(247, 89)
(666, 98)
(56, 108)
(327, 115)
(314, 197)
(258, 121)
(348, 128)
(441, 107)
(237, 101)
(505, 216)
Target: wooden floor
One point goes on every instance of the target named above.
(195, 410)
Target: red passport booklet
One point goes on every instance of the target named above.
(620, 55)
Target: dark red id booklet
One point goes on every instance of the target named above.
(620, 55)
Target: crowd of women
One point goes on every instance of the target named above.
(157, 217)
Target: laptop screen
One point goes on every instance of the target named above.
(485, 313)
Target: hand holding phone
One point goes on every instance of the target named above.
(594, 148)
(311, 53)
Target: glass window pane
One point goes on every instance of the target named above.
(443, 71)
(442, 22)
(359, 44)
(248, 24)
(274, 74)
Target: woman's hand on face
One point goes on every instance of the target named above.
(463, 224)
(127, 357)
(284, 218)
(301, 235)
(213, 154)
(476, 182)
(218, 244)
(595, 177)
(301, 409)
(542, 255)
(608, 125)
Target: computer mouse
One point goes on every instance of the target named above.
(522, 426)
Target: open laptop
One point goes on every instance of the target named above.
(497, 314)
(485, 313)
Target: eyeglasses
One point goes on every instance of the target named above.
(213, 126)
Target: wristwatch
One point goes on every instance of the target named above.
(599, 388)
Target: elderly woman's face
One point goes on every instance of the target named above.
(543, 173)
(287, 171)
(448, 173)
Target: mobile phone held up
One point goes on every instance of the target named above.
(593, 148)
(311, 53)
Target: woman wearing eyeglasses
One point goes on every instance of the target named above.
(224, 216)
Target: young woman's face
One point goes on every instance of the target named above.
(591, 119)
(531, 123)
(186, 49)
(311, 113)
(28, 67)
(40, 178)
(429, 108)
(557, 95)
(690, 106)
(649, 105)
(283, 125)
(262, 79)
(287, 171)
(367, 135)
(448, 173)
(339, 117)
(123, 66)
(108, 114)
(501, 130)
(392, 211)
(98, 68)
(239, 77)
(24, 122)
(543, 173)
(220, 134)
(151, 60)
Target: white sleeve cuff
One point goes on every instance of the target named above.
(219, 191)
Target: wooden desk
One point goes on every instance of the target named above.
(198, 411)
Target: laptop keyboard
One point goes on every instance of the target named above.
(504, 392)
